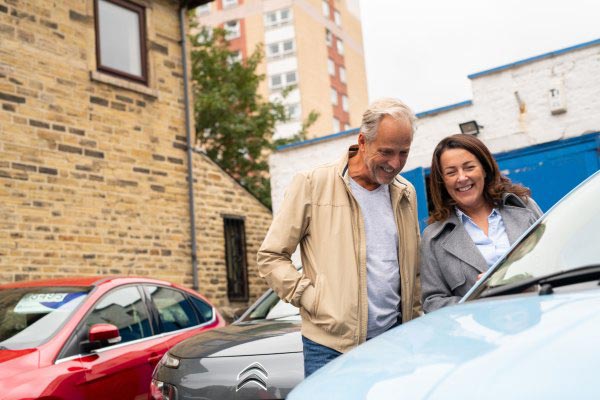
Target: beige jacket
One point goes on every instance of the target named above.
(320, 213)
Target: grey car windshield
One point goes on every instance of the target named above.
(566, 238)
(271, 307)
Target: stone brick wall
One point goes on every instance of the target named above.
(93, 168)
(507, 124)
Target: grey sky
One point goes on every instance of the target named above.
(421, 51)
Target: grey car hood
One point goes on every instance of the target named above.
(243, 339)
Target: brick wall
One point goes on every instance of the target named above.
(93, 168)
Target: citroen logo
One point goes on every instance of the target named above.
(253, 373)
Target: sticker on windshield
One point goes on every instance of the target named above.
(44, 302)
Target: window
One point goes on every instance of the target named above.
(235, 255)
(125, 309)
(203, 9)
(280, 49)
(278, 17)
(331, 67)
(336, 125)
(340, 46)
(275, 81)
(342, 74)
(233, 29)
(174, 311)
(279, 81)
(334, 97)
(229, 3)
(337, 17)
(290, 78)
(345, 103)
(325, 7)
(328, 37)
(293, 111)
(235, 57)
(121, 39)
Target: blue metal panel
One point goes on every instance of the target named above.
(552, 169)
(417, 178)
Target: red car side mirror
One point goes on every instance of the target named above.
(105, 333)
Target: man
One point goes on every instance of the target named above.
(356, 223)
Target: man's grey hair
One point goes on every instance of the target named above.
(379, 109)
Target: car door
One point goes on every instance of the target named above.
(124, 370)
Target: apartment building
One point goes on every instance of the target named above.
(313, 45)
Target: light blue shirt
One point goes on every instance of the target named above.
(495, 244)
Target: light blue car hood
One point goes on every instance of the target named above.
(526, 347)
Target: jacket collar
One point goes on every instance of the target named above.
(459, 243)
(397, 187)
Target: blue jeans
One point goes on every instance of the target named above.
(316, 355)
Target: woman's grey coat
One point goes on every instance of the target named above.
(450, 260)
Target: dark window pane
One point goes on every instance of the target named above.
(235, 250)
(205, 310)
(174, 310)
(125, 309)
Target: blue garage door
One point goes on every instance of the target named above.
(550, 170)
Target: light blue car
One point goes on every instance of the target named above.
(530, 329)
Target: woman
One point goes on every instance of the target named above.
(477, 215)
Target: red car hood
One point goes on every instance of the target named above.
(14, 362)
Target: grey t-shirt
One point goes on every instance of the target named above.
(383, 273)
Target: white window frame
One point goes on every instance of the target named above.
(331, 67)
(229, 3)
(337, 126)
(277, 49)
(337, 18)
(204, 9)
(283, 79)
(279, 19)
(342, 72)
(328, 37)
(345, 106)
(339, 43)
(334, 97)
(235, 57)
(325, 8)
(294, 111)
(233, 32)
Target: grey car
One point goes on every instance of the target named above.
(257, 357)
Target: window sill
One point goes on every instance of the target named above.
(123, 84)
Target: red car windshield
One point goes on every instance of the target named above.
(30, 316)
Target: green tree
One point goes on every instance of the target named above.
(234, 124)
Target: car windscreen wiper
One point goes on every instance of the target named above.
(547, 282)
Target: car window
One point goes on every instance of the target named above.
(174, 310)
(271, 307)
(124, 308)
(566, 238)
(205, 310)
(30, 316)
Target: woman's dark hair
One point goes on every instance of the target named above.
(495, 184)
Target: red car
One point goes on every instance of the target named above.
(92, 338)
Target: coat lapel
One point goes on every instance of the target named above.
(460, 245)
(516, 221)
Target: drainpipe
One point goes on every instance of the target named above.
(188, 134)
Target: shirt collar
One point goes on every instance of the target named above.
(462, 217)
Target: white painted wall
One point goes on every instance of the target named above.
(494, 105)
